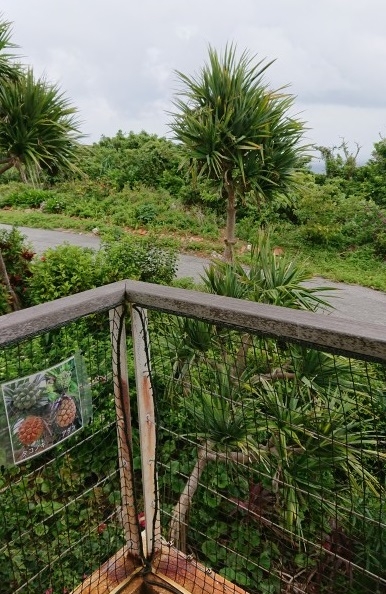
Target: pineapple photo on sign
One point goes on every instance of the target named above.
(43, 409)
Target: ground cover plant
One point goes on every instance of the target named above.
(271, 470)
(271, 453)
(334, 225)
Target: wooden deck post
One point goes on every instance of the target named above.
(124, 435)
(147, 429)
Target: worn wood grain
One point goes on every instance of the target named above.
(34, 320)
(350, 338)
(171, 571)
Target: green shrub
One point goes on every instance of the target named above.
(17, 257)
(55, 203)
(146, 213)
(142, 259)
(62, 271)
(69, 269)
(26, 197)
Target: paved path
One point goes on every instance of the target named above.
(350, 301)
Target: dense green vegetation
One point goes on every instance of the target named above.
(237, 132)
(334, 222)
(308, 423)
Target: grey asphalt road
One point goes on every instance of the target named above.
(351, 302)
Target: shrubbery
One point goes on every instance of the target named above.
(68, 269)
(17, 256)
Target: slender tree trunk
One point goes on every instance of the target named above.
(230, 239)
(178, 521)
(15, 302)
(21, 171)
(8, 165)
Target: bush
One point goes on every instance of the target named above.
(329, 217)
(17, 257)
(146, 213)
(68, 269)
(62, 271)
(55, 203)
(25, 197)
(142, 259)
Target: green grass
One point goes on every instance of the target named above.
(359, 267)
(356, 267)
(39, 220)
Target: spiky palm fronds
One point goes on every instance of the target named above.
(268, 279)
(9, 69)
(236, 130)
(38, 128)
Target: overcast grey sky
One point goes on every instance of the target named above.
(116, 59)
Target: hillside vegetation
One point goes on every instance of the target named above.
(133, 183)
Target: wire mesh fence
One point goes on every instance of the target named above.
(251, 449)
(271, 458)
(60, 499)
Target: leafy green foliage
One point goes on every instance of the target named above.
(68, 269)
(236, 131)
(270, 278)
(22, 196)
(307, 424)
(38, 128)
(327, 216)
(131, 160)
(17, 257)
(146, 259)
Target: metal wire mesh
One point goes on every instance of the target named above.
(259, 462)
(270, 457)
(60, 512)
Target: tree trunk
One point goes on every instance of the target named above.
(230, 239)
(8, 165)
(15, 302)
(21, 171)
(178, 522)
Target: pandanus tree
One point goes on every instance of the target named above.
(9, 74)
(237, 131)
(38, 125)
(39, 131)
(9, 69)
(38, 128)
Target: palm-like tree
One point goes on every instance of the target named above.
(9, 70)
(38, 128)
(237, 131)
(276, 280)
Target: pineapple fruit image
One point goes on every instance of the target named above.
(42, 409)
(65, 411)
(26, 394)
(30, 430)
(60, 380)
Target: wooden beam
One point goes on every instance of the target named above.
(314, 329)
(28, 322)
(319, 330)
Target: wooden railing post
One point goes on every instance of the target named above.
(122, 407)
(147, 429)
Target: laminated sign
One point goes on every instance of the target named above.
(41, 410)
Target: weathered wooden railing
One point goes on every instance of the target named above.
(239, 336)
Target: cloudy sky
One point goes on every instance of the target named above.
(116, 59)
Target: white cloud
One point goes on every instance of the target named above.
(116, 61)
